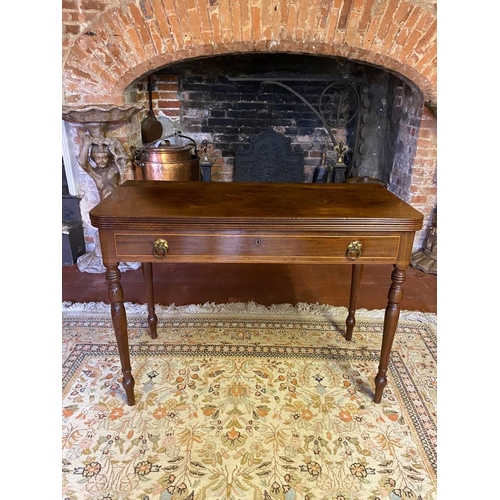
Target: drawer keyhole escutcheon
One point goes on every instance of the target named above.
(354, 250)
(257, 242)
(160, 248)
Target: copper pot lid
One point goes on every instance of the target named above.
(170, 147)
(165, 147)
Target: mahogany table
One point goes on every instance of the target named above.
(160, 221)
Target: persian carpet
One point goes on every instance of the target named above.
(246, 402)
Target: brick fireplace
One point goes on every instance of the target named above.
(208, 58)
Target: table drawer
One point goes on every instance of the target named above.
(224, 247)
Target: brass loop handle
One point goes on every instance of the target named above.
(354, 250)
(160, 247)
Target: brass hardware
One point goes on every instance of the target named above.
(341, 149)
(354, 250)
(160, 247)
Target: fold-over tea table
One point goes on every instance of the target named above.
(185, 222)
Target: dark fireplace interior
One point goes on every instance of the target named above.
(315, 102)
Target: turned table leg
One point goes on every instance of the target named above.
(390, 323)
(119, 318)
(147, 272)
(357, 271)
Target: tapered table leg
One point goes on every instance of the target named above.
(119, 318)
(391, 318)
(357, 271)
(147, 272)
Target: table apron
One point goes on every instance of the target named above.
(253, 247)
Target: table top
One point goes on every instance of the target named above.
(239, 205)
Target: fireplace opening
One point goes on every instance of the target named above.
(315, 102)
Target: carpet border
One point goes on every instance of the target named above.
(244, 308)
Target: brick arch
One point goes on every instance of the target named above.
(136, 37)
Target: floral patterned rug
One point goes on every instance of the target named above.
(245, 402)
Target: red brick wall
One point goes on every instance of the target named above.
(424, 176)
(120, 41)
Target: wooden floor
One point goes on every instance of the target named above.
(266, 284)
